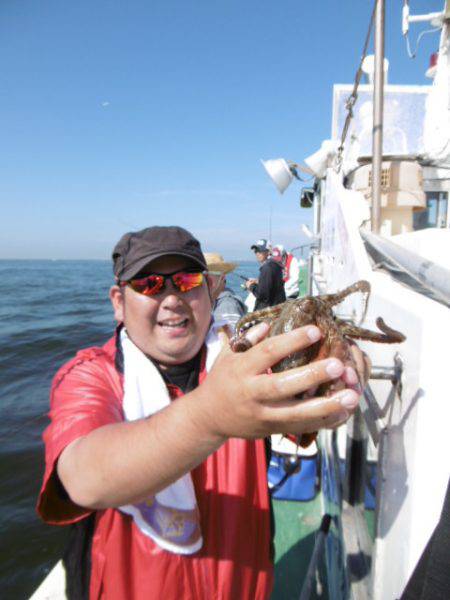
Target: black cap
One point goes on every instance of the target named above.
(260, 246)
(137, 248)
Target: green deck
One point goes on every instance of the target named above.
(295, 526)
(303, 281)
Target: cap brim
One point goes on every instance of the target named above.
(135, 268)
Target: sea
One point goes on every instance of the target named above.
(48, 311)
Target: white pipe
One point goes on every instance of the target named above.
(432, 276)
(428, 17)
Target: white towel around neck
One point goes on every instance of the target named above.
(170, 517)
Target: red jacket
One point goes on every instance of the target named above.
(231, 488)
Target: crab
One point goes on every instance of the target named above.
(336, 333)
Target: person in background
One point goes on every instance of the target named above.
(227, 307)
(291, 270)
(275, 253)
(268, 289)
(155, 449)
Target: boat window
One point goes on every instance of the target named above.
(436, 212)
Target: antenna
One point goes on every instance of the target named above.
(270, 222)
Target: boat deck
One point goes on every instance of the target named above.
(296, 524)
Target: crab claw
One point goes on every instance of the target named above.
(240, 344)
(395, 337)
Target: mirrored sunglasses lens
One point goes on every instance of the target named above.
(187, 281)
(148, 285)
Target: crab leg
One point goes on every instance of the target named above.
(388, 335)
(258, 316)
(238, 342)
(359, 286)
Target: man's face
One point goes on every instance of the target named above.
(170, 326)
(261, 256)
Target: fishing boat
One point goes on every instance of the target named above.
(370, 527)
(383, 217)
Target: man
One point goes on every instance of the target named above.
(291, 271)
(227, 307)
(155, 443)
(268, 289)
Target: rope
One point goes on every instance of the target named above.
(410, 53)
(420, 36)
(351, 100)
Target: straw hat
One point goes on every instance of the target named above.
(215, 263)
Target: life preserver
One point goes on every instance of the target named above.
(287, 267)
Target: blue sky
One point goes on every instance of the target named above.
(116, 114)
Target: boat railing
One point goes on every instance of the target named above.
(370, 421)
(310, 578)
(369, 407)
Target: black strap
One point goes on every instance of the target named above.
(77, 559)
(184, 376)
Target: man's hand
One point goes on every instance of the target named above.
(250, 282)
(129, 461)
(239, 398)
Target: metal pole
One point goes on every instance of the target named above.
(307, 587)
(355, 459)
(378, 97)
(270, 221)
